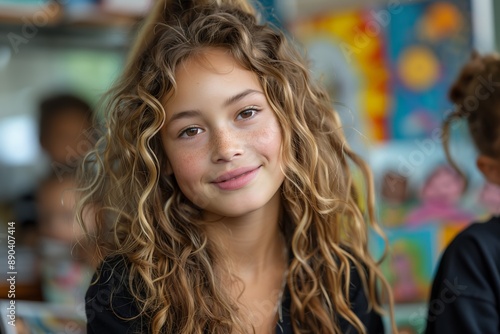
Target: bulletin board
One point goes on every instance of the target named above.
(388, 70)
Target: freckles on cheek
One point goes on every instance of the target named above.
(187, 166)
(183, 163)
(267, 138)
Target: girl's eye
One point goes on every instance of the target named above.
(247, 113)
(190, 132)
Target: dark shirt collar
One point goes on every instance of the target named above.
(284, 325)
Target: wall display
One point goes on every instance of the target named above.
(429, 41)
(388, 69)
(353, 67)
(409, 269)
(391, 65)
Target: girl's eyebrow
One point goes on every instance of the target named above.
(239, 96)
(229, 101)
(184, 114)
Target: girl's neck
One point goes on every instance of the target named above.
(253, 242)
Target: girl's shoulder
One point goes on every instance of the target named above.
(111, 275)
(112, 272)
(359, 302)
(361, 306)
(108, 301)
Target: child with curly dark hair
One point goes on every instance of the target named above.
(465, 295)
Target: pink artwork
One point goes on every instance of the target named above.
(405, 287)
(440, 199)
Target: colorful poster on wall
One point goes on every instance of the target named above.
(409, 267)
(389, 68)
(429, 42)
(350, 60)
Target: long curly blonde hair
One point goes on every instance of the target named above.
(143, 216)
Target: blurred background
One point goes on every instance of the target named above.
(387, 64)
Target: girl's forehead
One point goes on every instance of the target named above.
(217, 60)
(215, 66)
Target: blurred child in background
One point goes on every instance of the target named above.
(65, 133)
(65, 128)
(66, 263)
(465, 296)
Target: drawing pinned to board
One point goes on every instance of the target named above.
(395, 201)
(412, 258)
(440, 199)
(429, 42)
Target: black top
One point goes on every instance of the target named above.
(465, 295)
(110, 293)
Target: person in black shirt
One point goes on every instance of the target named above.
(223, 185)
(465, 295)
(120, 315)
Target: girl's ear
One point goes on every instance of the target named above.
(490, 168)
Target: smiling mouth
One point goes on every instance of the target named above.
(236, 179)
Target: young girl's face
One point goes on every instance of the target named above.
(221, 137)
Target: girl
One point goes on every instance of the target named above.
(465, 295)
(223, 184)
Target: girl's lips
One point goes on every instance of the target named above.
(236, 179)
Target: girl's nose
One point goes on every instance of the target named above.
(226, 146)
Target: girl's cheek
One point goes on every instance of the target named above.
(187, 166)
(268, 137)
